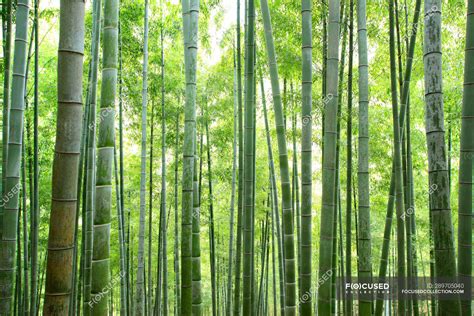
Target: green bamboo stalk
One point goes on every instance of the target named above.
(212, 247)
(335, 304)
(196, 243)
(364, 237)
(399, 201)
(24, 300)
(66, 160)
(275, 207)
(163, 180)
(17, 298)
(7, 39)
(411, 205)
(466, 164)
(12, 167)
(289, 243)
(176, 233)
(35, 203)
(306, 157)
(122, 263)
(329, 155)
(404, 97)
(150, 212)
(238, 250)
(90, 177)
(190, 29)
(295, 196)
(105, 154)
(129, 289)
(140, 286)
(440, 209)
(232, 201)
(249, 164)
(348, 302)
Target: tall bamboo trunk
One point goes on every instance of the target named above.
(196, 239)
(348, 302)
(163, 180)
(212, 246)
(35, 207)
(121, 233)
(289, 242)
(440, 209)
(190, 10)
(306, 158)
(12, 167)
(364, 237)
(66, 159)
(90, 177)
(238, 247)
(150, 214)
(176, 233)
(329, 155)
(249, 163)
(466, 164)
(274, 191)
(401, 120)
(232, 201)
(399, 201)
(140, 292)
(105, 156)
(7, 40)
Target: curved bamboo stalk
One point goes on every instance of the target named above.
(289, 242)
(399, 201)
(274, 200)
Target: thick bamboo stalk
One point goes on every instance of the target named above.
(440, 208)
(190, 29)
(65, 166)
(329, 155)
(249, 164)
(12, 166)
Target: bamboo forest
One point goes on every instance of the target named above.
(237, 157)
